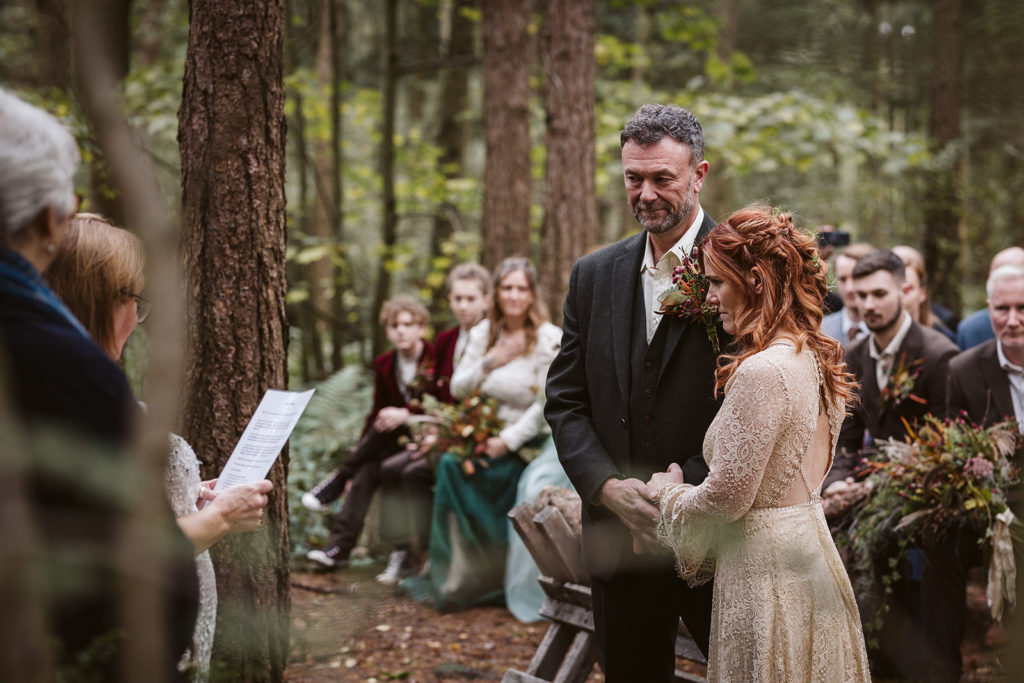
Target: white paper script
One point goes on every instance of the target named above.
(264, 437)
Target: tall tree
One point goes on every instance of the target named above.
(942, 199)
(505, 223)
(340, 280)
(451, 132)
(231, 133)
(389, 216)
(570, 216)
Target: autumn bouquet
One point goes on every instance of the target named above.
(460, 429)
(948, 476)
(688, 299)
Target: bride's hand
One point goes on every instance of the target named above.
(674, 475)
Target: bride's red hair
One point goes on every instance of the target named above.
(756, 241)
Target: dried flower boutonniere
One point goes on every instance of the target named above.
(900, 385)
(688, 299)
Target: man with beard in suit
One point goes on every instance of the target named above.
(631, 392)
(901, 368)
(986, 386)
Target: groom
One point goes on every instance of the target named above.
(631, 392)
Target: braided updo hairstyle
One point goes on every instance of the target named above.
(759, 243)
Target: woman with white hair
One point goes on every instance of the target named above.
(60, 381)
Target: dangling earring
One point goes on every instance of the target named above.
(51, 248)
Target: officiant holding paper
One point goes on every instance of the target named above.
(97, 272)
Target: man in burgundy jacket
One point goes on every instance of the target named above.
(400, 377)
(406, 477)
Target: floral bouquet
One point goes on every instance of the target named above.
(948, 476)
(899, 386)
(688, 299)
(460, 429)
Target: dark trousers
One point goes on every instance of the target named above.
(348, 523)
(373, 446)
(636, 616)
(406, 500)
(944, 601)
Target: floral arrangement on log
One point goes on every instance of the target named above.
(948, 477)
(460, 429)
(688, 299)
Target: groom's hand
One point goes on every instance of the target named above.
(633, 502)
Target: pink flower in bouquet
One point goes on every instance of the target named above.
(978, 468)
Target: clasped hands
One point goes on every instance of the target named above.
(636, 504)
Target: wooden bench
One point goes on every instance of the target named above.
(568, 651)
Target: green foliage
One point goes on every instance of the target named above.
(331, 425)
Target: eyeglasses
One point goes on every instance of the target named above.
(142, 306)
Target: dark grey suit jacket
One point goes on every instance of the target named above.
(883, 422)
(588, 391)
(978, 386)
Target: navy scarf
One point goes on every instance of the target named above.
(18, 278)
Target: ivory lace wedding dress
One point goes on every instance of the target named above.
(783, 606)
(181, 484)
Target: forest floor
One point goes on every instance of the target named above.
(347, 627)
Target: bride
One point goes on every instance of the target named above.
(783, 606)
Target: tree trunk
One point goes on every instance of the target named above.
(389, 225)
(451, 134)
(231, 133)
(505, 223)
(116, 15)
(151, 32)
(570, 226)
(942, 211)
(341, 281)
(52, 57)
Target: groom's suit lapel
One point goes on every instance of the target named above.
(677, 325)
(626, 276)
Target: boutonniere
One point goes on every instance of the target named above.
(899, 387)
(424, 381)
(687, 298)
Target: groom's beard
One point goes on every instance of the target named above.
(670, 220)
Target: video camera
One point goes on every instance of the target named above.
(835, 238)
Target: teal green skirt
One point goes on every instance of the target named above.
(468, 534)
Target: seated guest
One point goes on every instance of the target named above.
(845, 325)
(986, 385)
(61, 381)
(97, 272)
(916, 300)
(469, 289)
(977, 327)
(406, 478)
(400, 377)
(507, 359)
(901, 370)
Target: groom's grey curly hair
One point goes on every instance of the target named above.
(652, 122)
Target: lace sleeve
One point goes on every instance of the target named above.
(755, 412)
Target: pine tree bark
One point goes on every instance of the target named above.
(231, 133)
(942, 239)
(451, 134)
(389, 217)
(570, 216)
(505, 223)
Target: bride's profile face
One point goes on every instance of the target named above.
(725, 295)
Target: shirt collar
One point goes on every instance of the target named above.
(896, 342)
(682, 247)
(1005, 362)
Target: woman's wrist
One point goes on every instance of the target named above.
(488, 364)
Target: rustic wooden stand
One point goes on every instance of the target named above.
(569, 651)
